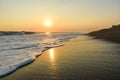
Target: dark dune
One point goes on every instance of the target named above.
(111, 34)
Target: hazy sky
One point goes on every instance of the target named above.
(66, 15)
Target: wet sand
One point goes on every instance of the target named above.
(81, 58)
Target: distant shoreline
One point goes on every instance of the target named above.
(7, 33)
(3, 33)
(110, 34)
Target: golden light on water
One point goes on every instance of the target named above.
(52, 60)
(51, 53)
(47, 33)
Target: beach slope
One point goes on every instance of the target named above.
(81, 58)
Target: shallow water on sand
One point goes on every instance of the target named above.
(82, 58)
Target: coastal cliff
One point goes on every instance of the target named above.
(111, 34)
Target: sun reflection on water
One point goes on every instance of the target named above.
(47, 33)
(52, 60)
(51, 53)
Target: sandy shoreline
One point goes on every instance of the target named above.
(23, 73)
(76, 60)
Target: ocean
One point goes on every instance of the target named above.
(18, 50)
(79, 57)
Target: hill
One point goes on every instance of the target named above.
(111, 34)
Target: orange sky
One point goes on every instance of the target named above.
(65, 15)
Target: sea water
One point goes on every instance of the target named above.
(19, 50)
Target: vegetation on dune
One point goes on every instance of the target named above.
(111, 34)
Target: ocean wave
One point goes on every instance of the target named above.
(22, 50)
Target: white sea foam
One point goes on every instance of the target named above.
(17, 51)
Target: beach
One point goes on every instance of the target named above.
(81, 58)
(59, 39)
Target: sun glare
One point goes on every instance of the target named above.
(51, 53)
(47, 33)
(47, 23)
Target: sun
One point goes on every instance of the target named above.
(47, 23)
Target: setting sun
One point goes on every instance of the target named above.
(47, 23)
